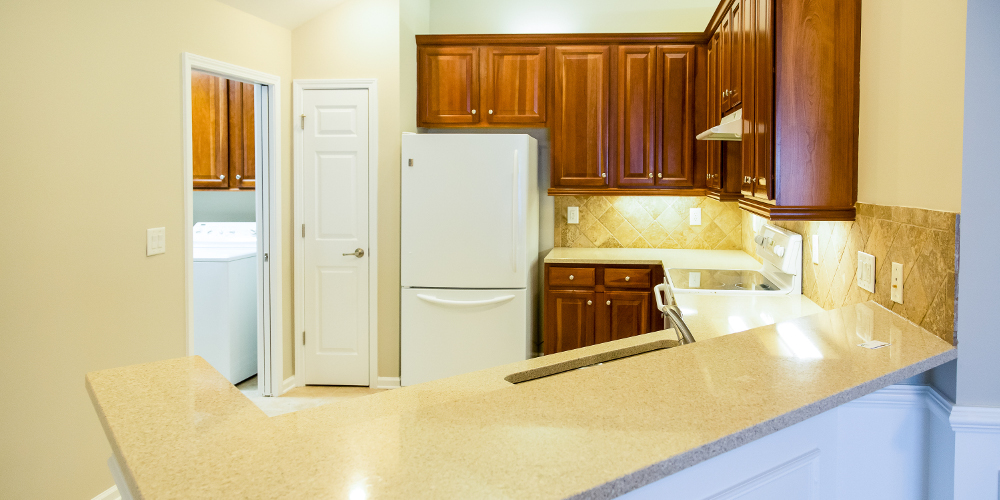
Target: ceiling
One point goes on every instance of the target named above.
(287, 13)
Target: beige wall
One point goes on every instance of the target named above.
(569, 16)
(90, 150)
(912, 95)
(414, 19)
(361, 39)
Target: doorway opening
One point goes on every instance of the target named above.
(233, 221)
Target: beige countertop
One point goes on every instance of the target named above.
(692, 259)
(180, 430)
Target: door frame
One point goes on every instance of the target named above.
(267, 197)
(298, 86)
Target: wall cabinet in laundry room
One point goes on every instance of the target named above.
(223, 133)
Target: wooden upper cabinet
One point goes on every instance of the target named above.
(514, 85)
(636, 115)
(580, 125)
(736, 43)
(210, 130)
(569, 316)
(761, 74)
(448, 85)
(675, 105)
(242, 147)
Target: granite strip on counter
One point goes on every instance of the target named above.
(179, 430)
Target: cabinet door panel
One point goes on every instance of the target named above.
(580, 126)
(636, 115)
(725, 51)
(676, 116)
(514, 90)
(714, 168)
(210, 130)
(448, 85)
(569, 321)
(627, 314)
(762, 133)
(242, 154)
(736, 54)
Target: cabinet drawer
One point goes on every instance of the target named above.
(626, 278)
(571, 276)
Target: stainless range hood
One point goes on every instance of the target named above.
(730, 128)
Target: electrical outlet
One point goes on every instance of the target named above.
(695, 216)
(815, 248)
(573, 215)
(896, 292)
(866, 271)
(156, 241)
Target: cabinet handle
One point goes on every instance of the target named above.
(491, 111)
(222, 177)
(609, 302)
(238, 177)
(571, 277)
(473, 111)
(650, 175)
(605, 174)
(590, 302)
(762, 182)
(660, 175)
(627, 278)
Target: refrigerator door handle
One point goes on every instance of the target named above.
(465, 303)
(513, 218)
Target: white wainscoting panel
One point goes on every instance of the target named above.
(977, 452)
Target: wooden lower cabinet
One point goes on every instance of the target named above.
(599, 304)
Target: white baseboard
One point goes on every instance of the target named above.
(288, 384)
(388, 383)
(109, 494)
(977, 451)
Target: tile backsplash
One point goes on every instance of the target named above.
(648, 222)
(923, 241)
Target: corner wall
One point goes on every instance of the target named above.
(91, 153)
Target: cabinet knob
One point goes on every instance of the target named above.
(491, 111)
(660, 175)
(761, 181)
(590, 302)
(238, 177)
(473, 111)
(221, 177)
(604, 174)
(571, 277)
(627, 278)
(609, 302)
(650, 175)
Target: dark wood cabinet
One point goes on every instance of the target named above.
(590, 304)
(514, 85)
(636, 116)
(675, 106)
(580, 124)
(210, 131)
(447, 85)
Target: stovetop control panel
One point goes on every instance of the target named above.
(781, 247)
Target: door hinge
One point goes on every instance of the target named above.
(265, 257)
(303, 338)
(303, 125)
(303, 230)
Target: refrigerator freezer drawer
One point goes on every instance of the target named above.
(448, 332)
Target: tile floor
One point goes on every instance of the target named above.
(301, 398)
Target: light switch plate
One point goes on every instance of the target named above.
(815, 248)
(573, 215)
(695, 216)
(896, 292)
(866, 271)
(156, 241)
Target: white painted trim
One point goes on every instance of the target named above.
(109, 494)
(388, 382)
(288, 384)
(270, 349)
(806, 460)
(896, 395)
(373, 166)
(974, 419)
(939, 405)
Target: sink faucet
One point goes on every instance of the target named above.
(672, 313)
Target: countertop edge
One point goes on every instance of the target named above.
(690, 458)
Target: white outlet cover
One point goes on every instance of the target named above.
(573, 215)
(695, 216)
(866, 271)
(896, 292)
(815, 248)
(156, 241)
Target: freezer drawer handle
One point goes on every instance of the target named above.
(463, 303)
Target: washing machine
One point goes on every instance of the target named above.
(225, 297)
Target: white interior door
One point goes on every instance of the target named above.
(335, 213)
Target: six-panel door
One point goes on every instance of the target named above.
(448, 85)
(514, 85)
(580, 125)
(569, 316)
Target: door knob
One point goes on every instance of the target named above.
(357, 253)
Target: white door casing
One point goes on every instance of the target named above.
(335, 164)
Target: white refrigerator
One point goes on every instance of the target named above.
(469, 253)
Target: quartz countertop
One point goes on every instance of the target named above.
(180, 430)
(689, 259)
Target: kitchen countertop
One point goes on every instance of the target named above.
(180, 430)
(690, 259)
